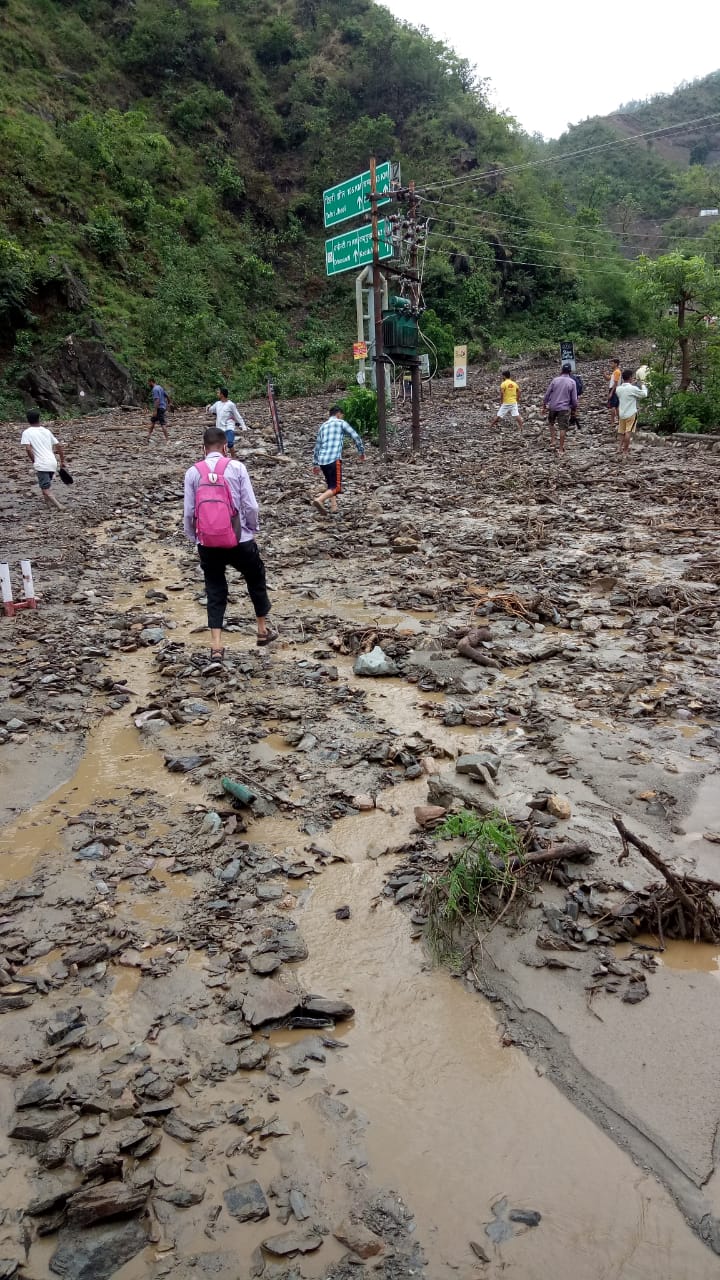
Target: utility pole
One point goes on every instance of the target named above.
(415, 293)
(377, 300)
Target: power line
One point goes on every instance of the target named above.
(518, 262)
(569, 155)
(571, 254)
(511, 233)
(536, 222)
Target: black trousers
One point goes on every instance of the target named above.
(245, 558)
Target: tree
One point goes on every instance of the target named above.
(689, 289)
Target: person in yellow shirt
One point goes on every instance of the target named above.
(509, 400)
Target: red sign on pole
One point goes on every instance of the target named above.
(359, 350)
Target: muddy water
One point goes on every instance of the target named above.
(455, 1120)
(117, 760)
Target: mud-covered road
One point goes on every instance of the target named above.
(225, 1050)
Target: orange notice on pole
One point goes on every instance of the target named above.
(359, 350)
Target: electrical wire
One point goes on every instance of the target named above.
(569, 155)
(536, 222)
(429, 343)
(553, 261)
(522, 262)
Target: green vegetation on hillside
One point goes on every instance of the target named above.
(161, 171)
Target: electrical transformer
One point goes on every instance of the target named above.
(400, 330)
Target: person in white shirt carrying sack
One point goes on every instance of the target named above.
(628, 394)
(226, 417)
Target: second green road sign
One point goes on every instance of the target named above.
(354, 248)
(350, 199)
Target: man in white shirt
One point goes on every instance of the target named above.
(43, 450)
(226, 417)
(628, 394)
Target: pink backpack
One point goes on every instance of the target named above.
(215, 514)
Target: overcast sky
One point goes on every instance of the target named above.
(551, 65)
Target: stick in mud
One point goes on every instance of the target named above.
(683, 894)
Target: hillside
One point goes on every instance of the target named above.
(160, 182)
(651, 190)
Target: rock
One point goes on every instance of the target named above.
(109, 1200)
(375, 663)
(253, 1057)
(40, 1126)
(264, 963)
(475, 764)
(98, 1252)
(182, 1197)
(246, 1202)
(558, 806)
(338, 1010)
(528, 1217)
(83, 956)
(477, 718)
(364, 803)
(479, 1251)
(51, 1193)
(358, 1239)
(342, 913)
(429, 815)
(290, 1243)
(152, 635)
(184, 764)
(299, 1205)
(267, 1000)
(41, 1093)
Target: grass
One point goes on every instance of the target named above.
(480, 883)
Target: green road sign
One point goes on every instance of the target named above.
(351, 199)
(354, 249)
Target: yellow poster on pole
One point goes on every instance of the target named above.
(460, 366)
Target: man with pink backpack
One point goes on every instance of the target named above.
(221, 517)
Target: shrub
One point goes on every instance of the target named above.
(106, 234)
(361, 410)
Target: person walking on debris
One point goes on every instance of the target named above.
(560, 400)
(221, 517)
(628, 395)
(328, 456)
(44, 451)
(227, 417)
(579, 387)
(509, 400)
(160, 408)
(613, 384)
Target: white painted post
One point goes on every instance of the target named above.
(6, 587)
(27, 577)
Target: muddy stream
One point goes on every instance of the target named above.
(430, 1105)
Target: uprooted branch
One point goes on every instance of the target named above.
(681, 908)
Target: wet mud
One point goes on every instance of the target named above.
(400, 1127)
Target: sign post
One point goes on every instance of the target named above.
(351, 199)
(567, 354)
(460, 365)
(275, 417)
(354, 249)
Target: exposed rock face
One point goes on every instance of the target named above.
(81, 371)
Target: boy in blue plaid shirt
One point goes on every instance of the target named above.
(328, 456)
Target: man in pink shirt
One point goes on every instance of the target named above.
(244, 557)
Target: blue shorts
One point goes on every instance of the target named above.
(229, 437)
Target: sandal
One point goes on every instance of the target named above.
(217, 655)
(270, 635)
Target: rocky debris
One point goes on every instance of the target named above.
(109, 1200)
(375, 663)
(559, 807)
(290, 1243)
(358, 1239)
(97, 1253)
(246, 1202)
